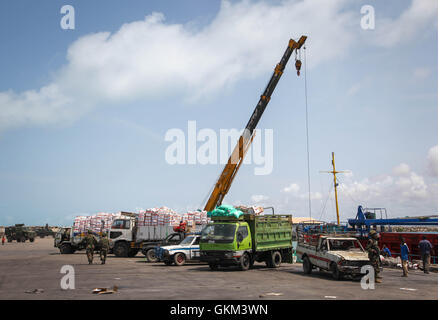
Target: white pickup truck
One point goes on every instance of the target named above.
(339, 255)
(187, 250)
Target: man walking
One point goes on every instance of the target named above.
(404, 256)
(104, 247)
(425, 249)
(374, 254)
(90, 242)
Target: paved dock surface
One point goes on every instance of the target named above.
(28, 266)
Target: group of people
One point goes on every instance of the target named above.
(374, 253)
(91, 243)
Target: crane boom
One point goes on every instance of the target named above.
(227, 176)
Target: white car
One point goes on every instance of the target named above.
(187, 250)
(340, 255)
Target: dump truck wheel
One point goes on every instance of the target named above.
(23, 239)
(121, 249)
(132, 252)
(18, 240)
(9, 240)
(151, 256)
(245, 262)
(307, 266)
(337, 275)
(179, 259)
(275, 260)
(213, 266)
(65, 248)
(32, 240)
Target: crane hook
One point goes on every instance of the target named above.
(298, 66)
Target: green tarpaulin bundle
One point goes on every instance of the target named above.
(225, 211)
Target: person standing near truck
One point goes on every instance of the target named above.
(90, 242)
(3, 240)
(425, 249)
(374, 254)
(404, 256)
(104, 246)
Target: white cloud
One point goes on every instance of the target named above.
(420, 17)
(292, 188)
(154, 59)
(421, 73)
(432, 161)
(401, 170)
(259, 198)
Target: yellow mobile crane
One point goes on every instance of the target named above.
(227, 176)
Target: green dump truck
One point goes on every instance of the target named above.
(240, 241)
(20, 233)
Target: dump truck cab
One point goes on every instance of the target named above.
(226, 242)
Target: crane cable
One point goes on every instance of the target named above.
(307, 131)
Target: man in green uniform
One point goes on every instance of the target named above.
(374, 254)
(104, 247)
(90, 242)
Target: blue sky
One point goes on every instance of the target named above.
(83, 113)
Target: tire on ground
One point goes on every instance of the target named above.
(337, 275)
(274, 259)
(121, 249)
(150, 255)
(179, 259)
(65, 248)
(245, 262)
(133, 252)
(307, 265)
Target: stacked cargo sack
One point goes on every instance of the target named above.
(225, 211)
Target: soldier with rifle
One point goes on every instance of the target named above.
(90, 242)
(373, 250)
(104, 247)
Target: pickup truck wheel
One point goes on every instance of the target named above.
(307, 265)
(32, 239)
(179, 259)
(245, 262)
(150, 255)
(65, 248)
(337, 275)
(121, 249)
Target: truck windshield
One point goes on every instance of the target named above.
(344, 245)
(219, 232)
(121, 224)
